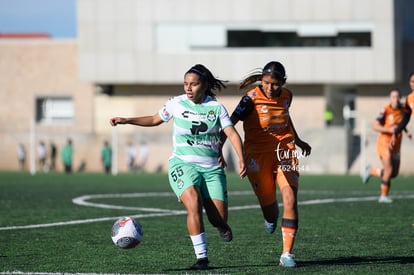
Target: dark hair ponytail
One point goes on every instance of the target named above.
(208, 79)
(274, 68)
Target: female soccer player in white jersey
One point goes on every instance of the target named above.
(195, 174)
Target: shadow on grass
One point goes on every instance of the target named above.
(212, 268)
(336, 261)
(359, 261)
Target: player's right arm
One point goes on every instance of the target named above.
(241, 111)
(379, 127)
(379, 123)
(146, 121)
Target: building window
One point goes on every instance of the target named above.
(54, 110)
(252, 38)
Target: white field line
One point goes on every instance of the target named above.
(159, 212)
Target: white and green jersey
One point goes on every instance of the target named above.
(196, 132)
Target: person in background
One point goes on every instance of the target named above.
(53, 154)
(407, 110)
(388, 145)
(106, 157)
(410, 98)
(328, 116)
(21, 156)
(143, 156)
(270, 145)
(131, 153)
(41, 156)
(67, 155)
(194, 172)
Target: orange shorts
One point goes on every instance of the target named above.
(265, 169)
(383, 149)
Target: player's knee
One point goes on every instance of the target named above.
(289, 199)
(191, 198)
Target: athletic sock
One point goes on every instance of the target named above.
(289, 229)
(200, 245)
(385, 188)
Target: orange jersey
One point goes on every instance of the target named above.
(410, 101)
(267, 124)
(389, 117)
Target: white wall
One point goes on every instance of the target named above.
(125, 41)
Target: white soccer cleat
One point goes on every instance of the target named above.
(270, 227)
(385, 199)
(287, 260)
(366, 176)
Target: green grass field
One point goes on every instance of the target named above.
(343, 229)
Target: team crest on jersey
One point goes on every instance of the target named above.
(165, 112)
(211, 116)
(264, 109)
(180, 183)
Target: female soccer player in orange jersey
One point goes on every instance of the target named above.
(271, 156)
(408, 109)
(410, 97)
(388, 148)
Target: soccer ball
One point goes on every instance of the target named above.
(127, 232)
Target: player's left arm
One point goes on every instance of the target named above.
(306, 148)
(236, 141)
(408, 133)
(406, 113)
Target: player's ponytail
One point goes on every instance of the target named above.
(252, 78)
(208, 79)
(274, 68)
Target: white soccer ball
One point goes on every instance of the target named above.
(127, 232)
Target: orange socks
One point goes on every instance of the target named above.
(289, 229)
(385, 188)
(288, 238)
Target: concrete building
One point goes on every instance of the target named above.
(345, 54)
(41, 90)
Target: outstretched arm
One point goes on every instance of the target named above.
(306, 149)
(146, 121)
